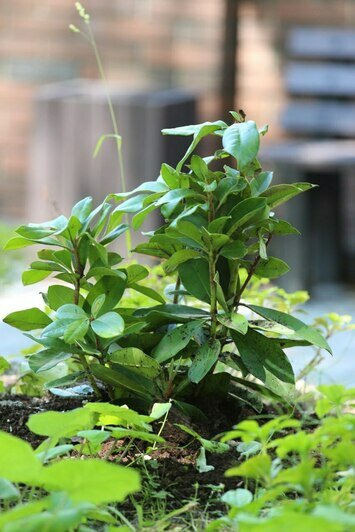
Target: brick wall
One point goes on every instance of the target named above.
(142, 42)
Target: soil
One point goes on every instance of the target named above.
(16, 409)
(172, 465)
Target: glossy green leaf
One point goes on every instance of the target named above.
(148, 291)
(135, 273)
(266, 361)
(17, 242)
(42, 230)
(112, 235)
(34, 276)
(299, 327)
(28, 320)
(46, 359)
(245, 211)
(123, 377)
(242, 142)
(237, 498)
(139, 218)
(234, 250)
(108, 325)
(76, 330)
(257, 467)
(271, 268)
(198, 131)
(178, 258)
(169, 313)
(97, 305)
(137, 360)
(71, 312)
(278, 194)
(112, 287)
(204, 359)
(175, 340)
(59, 295)
(82, 209)
(195, 277)
(234, 321)
(260, 183)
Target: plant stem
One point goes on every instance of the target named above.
(79, 271)
(90, 376)
(213, 290)
(177, 288)
(162, 426)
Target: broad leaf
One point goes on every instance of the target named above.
(198, 131)
(234, 321)
(18, 462)
(46, 359)
(82, 209)
(244, 212)
(260, 183)
(91, 480)
(242, 142)
(165, 314)
(112, 287)
(108, 325)
(71, 312)
(28, 320)
(301, 330)
(137, 360)
(122, 377)
(271, 268)
(266, 361)
(195, 277)
(178, 258)
(61, 424)
(34, 276)
(234, 250)
(58, 295)
(147, 291)
(257, 467)
(205, 357)
(76, 330)
(279, 194)
(176, 340)
(135, 273)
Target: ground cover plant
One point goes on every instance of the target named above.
(292, 470)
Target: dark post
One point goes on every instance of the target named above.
(229, 56)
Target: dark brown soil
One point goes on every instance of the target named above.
(174, 462)
(16, 409)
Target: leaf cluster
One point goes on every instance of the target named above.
(207, 340)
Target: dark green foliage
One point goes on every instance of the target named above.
(218, 222)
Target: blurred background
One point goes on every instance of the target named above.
(289, 64)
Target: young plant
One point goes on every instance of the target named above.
(213, 244)
(304, 478)
(218, 222)
(59, 495)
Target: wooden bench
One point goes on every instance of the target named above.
(320, 119)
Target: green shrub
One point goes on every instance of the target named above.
(212, 245)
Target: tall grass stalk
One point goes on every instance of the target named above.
(90, 38)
